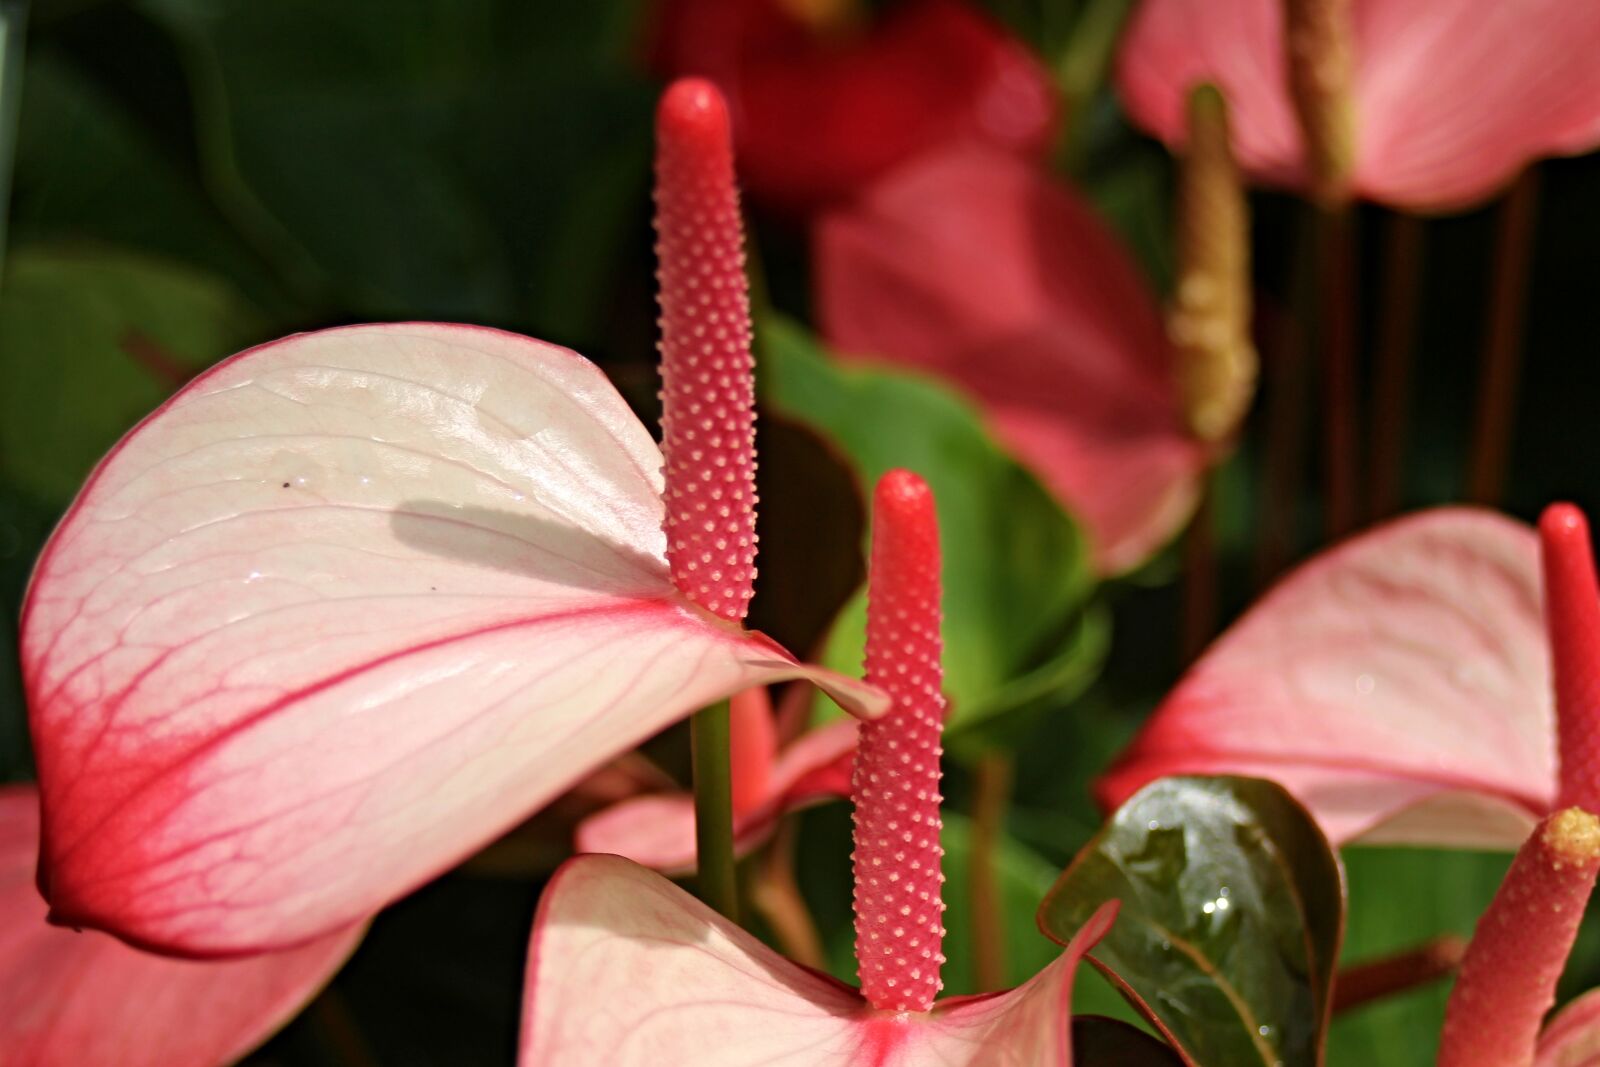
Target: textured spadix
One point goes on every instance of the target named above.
(627, 970)
(70, 999)
(707, 386)
(347, 607)
(1451, 97)
(979, 268)
(1209, 320)
(898, 901)
(1398, 685)
(1507, 980)
(1572, 613)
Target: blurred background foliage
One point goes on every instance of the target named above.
(196, 176)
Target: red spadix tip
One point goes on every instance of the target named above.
(1562, 528)
(693, 108)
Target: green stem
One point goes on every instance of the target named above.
(13, 18)
(713, 809)
(1085, 63)
(995, 773)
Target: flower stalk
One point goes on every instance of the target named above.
(1320, 61)
(899, 907)
(707, 418)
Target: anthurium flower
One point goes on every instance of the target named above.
(978, 268)
(353, 603)
(657, 829)
(1447, 99)
(71, 998)
(625, 968)
(826, 101)
(1399, 685)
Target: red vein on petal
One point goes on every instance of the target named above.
(707, 383)
(899, 910)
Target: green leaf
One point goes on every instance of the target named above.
(1231, 916)
(1016, 573)
(1023, 878)
(91, 342)
(86, 171)
(1102, 1042)
(459, 159)
(1399, 898)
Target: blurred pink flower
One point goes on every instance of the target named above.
(821, 110)
(74, 999)
(978, 268)
(1451, 97)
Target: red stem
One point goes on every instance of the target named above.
(1402, 259)
(1502, 348)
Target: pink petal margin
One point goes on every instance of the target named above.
(71, 999)
(1453, 97)
(658, 831)
(1572, 1039)
(978, 268)
(1398, 685)
(347, 607)
(626, 969)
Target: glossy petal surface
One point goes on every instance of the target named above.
(626, 969)
(1452, 97)
(978, 268)
(1398, 685)
(347, 607)
(658, 831)
(69, 998)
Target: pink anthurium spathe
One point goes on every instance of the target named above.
(1449, 99)
(624, 968)
(353, 603)
(70, 999)
(1399, 685)
(979, 268)
(627, 969)
(1572, 1039)
(657, 829)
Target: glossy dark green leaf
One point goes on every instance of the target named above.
(1016, 575)
(91, 342)
(1232, 912)
(1102, 1042)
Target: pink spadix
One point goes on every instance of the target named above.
(707, 388)
(1572, 616)
(899, 911)
(1508, 979)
